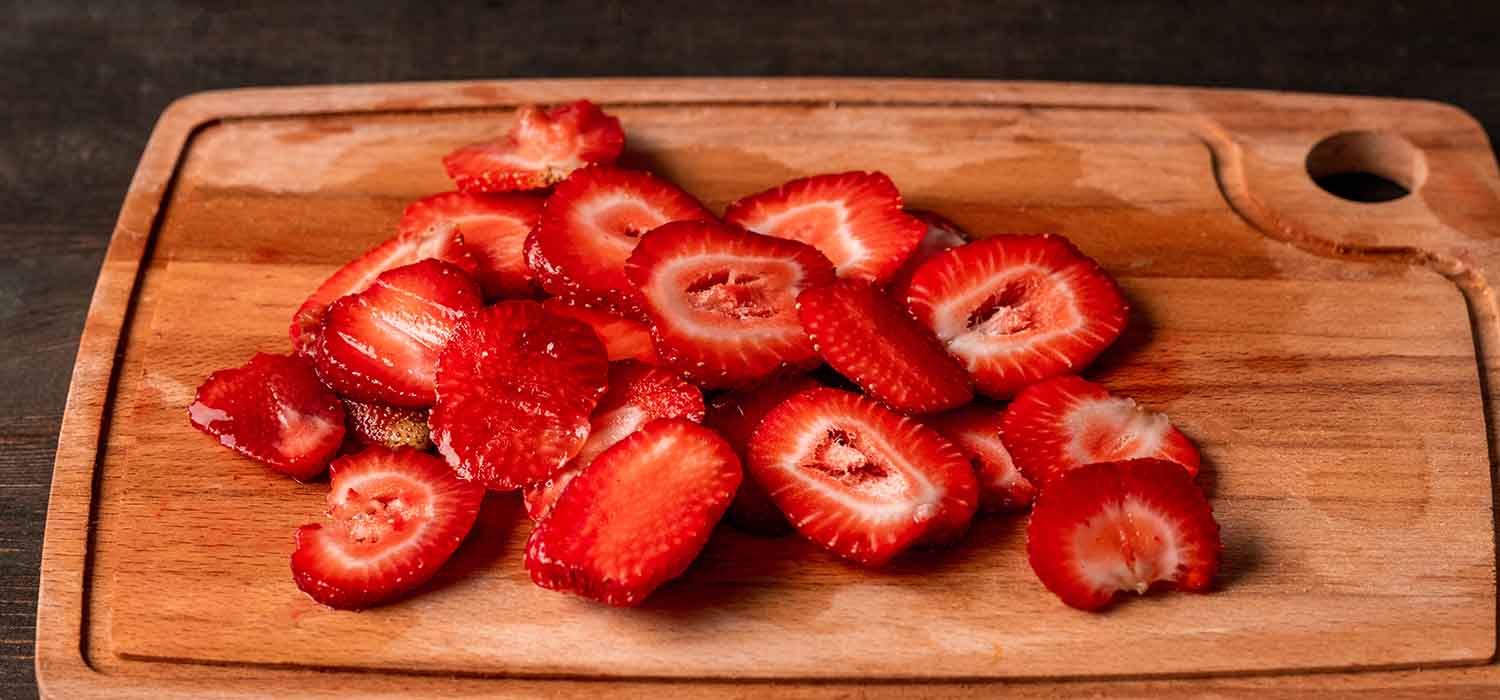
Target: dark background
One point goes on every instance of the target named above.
(81, 84)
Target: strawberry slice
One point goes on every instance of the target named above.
(873, 341)
(442, 242)
(858, 479)
(388, 426)
(1066, 422)
(381, 345)
(1122, 526)
(721, 300)
(941, 235)
(638, 516)
(977, 430)
(592, 222)
(494, 227)
(854, 218)
(541, 148)
(274, 411)
(1018, 309)
(394, 517)
(623, 338)
(515, 387)
(736, 415)
(638, 394)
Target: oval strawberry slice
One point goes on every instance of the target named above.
(1122, 526)
(1018, 309)
(623, 338)
(873, 341)
(941, 235)
(858, 479)
(515, 387)
(274, 411)
(977, 431)
(854, 218)
(736, 415)
(1066, 422)
(387, 426)
(721, 300)
(542, 147)
(394, 518)
(494, 228)
(381, 345)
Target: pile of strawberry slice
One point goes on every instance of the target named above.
(558, 343)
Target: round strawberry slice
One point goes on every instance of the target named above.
(854, 218)
(1066, 422)
(388, 426)
(623, 338)
(274, 411)
(942, 235)
(736, 415)
(857, 479)
(638, 516)
(1018, 309)
(493, 226)
(1122, 526)
(721, 300)
(592, 222)
(394, 517)
(873, 341)
(977, 431)
(515, 387)
(541, 148)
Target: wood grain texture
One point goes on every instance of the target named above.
(1340, 405)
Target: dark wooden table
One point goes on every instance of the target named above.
(82, 83)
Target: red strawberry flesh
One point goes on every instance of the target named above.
(941, 235)
(736, 415)
(273, 410)
(977, 431)
(494, 228)
(623, 338)
(541, 148)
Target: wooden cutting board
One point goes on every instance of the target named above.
(1333, 359)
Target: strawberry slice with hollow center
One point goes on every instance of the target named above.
(274, 411)
(542, 147)
(941, 235)
(623, 338)
(854, 218)
(394, 518)
(873, 341)
(638, 516)
(387, 426)
(736, 415)
(977, 431)
(494, 228)
(858, 479)
(1018, 309)
(515, 387)
(1066, 422)
(381, 345)
(1122, 526)
(721, 300)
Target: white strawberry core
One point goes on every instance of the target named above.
(852, 464)
(1113, 429)
(617, 220)
(376, 510)
(1127, 546)
(712, 294)
(1014, 311)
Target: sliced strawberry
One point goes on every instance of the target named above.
(623, 338)
(873, 341)
(637, 516)
(722, 299)
(858, 479)
(388, 426)
(493, 226)
(638, 394)
(1066, 422)
(274, 411)
(1017, 309)
(442, 242)
(394, 517)
(854, 218)
(736, 415)
(381, 345)
(541, 148)
(1122, 526)
(941, 235)
(976, 430)
(591, 223)
(515, 387)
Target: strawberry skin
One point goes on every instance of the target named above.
(941, 235)
(381, 345)
(274, 411)
(1122, 526)
(623, 338)
(872, 341)
(388, 426)
(854, 218)
(722, 301)
(494, 228)
(1066, 422)
(1018, 309)
(736, 415)
(394, 518)
(637, 516)
(977, 430)
(542, 147)
(858, 479)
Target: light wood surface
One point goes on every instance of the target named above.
(1332, 359)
